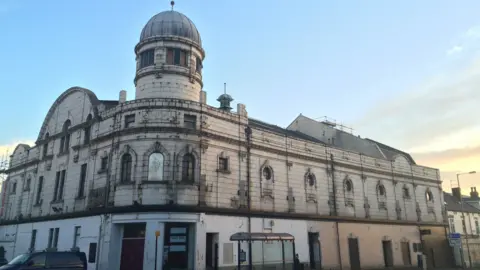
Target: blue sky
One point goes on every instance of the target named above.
(382, 67)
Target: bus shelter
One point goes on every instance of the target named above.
(261, 237)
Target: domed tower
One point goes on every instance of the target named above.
(169, 58)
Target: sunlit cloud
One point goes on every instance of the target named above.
(437, 122)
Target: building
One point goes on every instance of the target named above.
(464, 227)
(167, 178)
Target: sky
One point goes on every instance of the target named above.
(402, 72)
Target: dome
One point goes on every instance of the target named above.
(171, 23)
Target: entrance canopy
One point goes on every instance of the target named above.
(258, 236)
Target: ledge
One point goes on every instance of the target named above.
(217, 211)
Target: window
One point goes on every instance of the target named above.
(406, 192)
(199, 65)
(59, 183)
(83, 178)
(39, 190)
(155, 167)
(311, 180)
(53, 237)
(26, 186)
(464, 225)
(14, 187)
(381, 190)
(477, 226)
(190, 121)
(104, 163)
(147, 58)
(126, 168)
(129, 120)
(76, 236)
(267, 173)
(223, 164)
(65, 139)
(348, 185)
(429, 196)
(177, 57)
(65, 260)
(37, 261)
(45, 146)
(33, 239)
(451, 222)
(87, 130)
(188, 168)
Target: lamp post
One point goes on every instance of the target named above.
(464, 223)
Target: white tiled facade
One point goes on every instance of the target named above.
(312, 186)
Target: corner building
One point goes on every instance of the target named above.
(108, 177)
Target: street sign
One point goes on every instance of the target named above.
(157, 233)
(454, 236)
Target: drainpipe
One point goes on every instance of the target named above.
(335, 210)
(100, 244)
(248, 134)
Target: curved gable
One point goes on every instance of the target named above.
(91, 96)
(20, 152)
(401, 161)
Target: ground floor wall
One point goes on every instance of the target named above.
(198, 241)
(435, 246)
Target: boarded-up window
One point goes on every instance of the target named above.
(227, 253)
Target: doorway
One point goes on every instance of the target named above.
(133, 244)
(211, 251)
(175, 249)
(354, 253)
(407, 259)
(387, 253)
(314, 250)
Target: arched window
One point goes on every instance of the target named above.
(45, 146)
(267, 173)
(429, 196)
(406, 192)
(65, 140)
(87, 130)
(311, 179)
(381, 190)
(126, 168)
(155, 167)
(348, 185)
(188, 168)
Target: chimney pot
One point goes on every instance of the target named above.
(122, 96)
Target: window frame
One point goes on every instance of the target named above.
(188, 174)
(147, 58)
(129, 120)
(83, 180)
(190, 121)
(126, 168)
(76, 236)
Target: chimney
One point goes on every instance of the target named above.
(473, 193)
(456, 193)
(203, 97)
(123, 96)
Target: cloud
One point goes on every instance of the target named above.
(439, 115)
(455, 49)
(437, 122)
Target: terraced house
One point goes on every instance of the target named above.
(166, 179)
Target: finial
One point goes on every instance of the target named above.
(172, 3)
(224, 88)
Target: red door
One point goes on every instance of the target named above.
(132, 254)
(133, 245)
